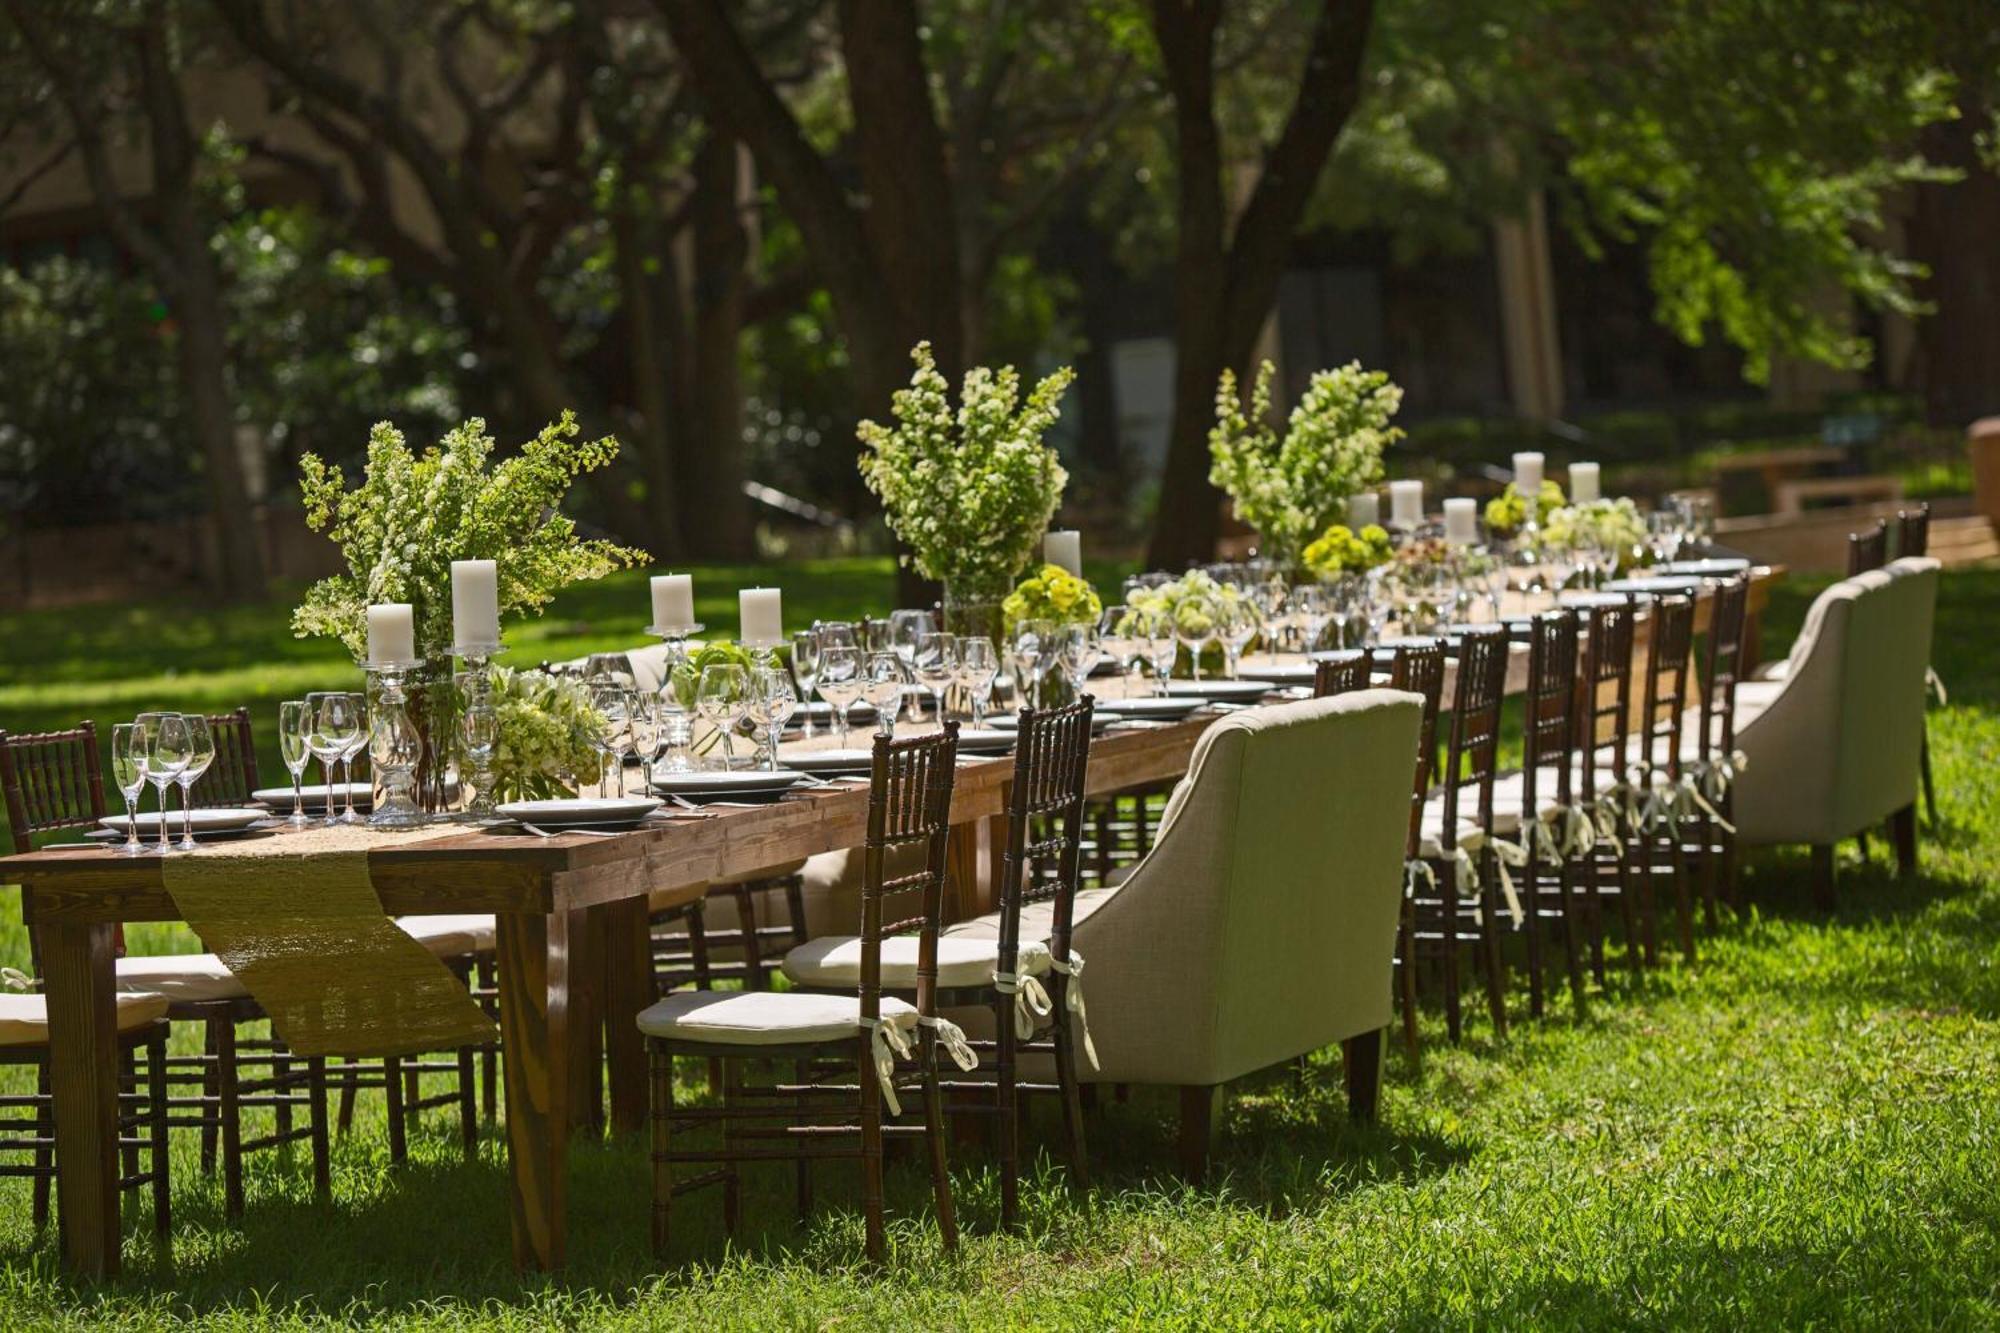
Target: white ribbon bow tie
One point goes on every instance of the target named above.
(13, 978)
(1666, 804)
(1072, 970)
(952, 1037)
(1031, 1002)
(1935, 684)
(886, 1041)
(1509, 854)
(1415, 869)
(1579, 831)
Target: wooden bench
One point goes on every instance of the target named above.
(1790, 497)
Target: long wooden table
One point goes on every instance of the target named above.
(572, 955)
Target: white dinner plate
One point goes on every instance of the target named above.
(830, 761)
(312, 795)
(1168, 709)
(819, 710)
(985, 740)
(1100, 718)
(223, 819)
(1656, 583)
(1234, 691)
(1715, 567)
(582, 811)
(728, 782)
(1278, 673)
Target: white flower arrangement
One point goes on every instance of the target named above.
(1613, 526)
(968, 493)
(546, 728)
(1290, 490)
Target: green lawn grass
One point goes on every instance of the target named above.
(1801, 1130)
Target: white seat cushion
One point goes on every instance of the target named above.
(450, 936)
(763, 1018)
(1035, 918)
(24, 1019)
(181, 977)
(963, 960)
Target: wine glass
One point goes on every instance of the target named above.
(835, 634)
(649, 732)
(875, 636)
(1309, 609)
(936, 665)
(128, 769)
(1077, 654)
(1117, 634)
(292, 727)
(839, 682)
(771, 701)
(353, 747)
(882, 679)
(611, 700)
(1163, 649)
(905, 628)
(1034, 647)
(1194, 626)
(201, 753)
(336, 725)
(1235, 625)
(167, 750)
(805, 668)
(978, 667)
(719, 701)
(614, 667)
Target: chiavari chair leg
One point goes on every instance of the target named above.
(1530, 888)
(802, 1169)
(1732, 887)
(663, 1172)
(229, 1078)
(1573, 926)
(934, 1135)
(1628, 910)
(468, 1103)
(732, 1185)
(1924, 772)
(1683, 898)
(316, 1121)
(489, 1054)
(45, 1153)
(128, 1077)
(211, 1088)
(281, 1080)
(156, 1122)
(1005, 1107)
(871, 1153)
(392, 1091)
(350, 1084)
(1488, 940)
(1706, 866)
(1454, 1017)
(1645, 875)
(1406, 974)
(1072, 1096)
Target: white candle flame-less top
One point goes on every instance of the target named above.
(1063, 548)
(1461, 521)
(1583, 483)
(1528, 475)
(1363, 508)
(762, 614)
(392, 633)
(1406, 503)
(673, 601)
(475, 606)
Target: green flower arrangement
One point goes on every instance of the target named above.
(1188, 603)
(399, 531)
(969, 494)
(1507, 511)
(546, 726)
(1290, 489)
(1341, 550)
(1053, 593)
(1610, 525)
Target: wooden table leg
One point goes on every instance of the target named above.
(534, 1027)
(83, 1077)
(628, 970)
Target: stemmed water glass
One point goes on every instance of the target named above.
(1163, 648)
(293, 723)
(1117, 634)
(612, 700)
(1308, 608)
(167, 749)
(936, 665)
(978, 667)
(770, 703)
(354, 746)
(883, 677)
(839, 682)
(1034, 647)
(649, 732)
(719, 701)
(1194, 626)
(1077, 653)
(336, 723)
(805, 668)
(1235, 625)
(201, 753)
(128, 768)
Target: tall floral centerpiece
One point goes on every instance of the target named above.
(970, 491)
(413, 514)
(1290, 488)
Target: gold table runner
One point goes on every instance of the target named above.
(296, 917)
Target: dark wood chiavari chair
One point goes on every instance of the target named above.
(1714, 741)
(1914, 539)
(1342, 673)
(1447, 918)
(1603, 772)
(1418, 667)
(1549, 736)
(909, 805)
(1868, 550)
(1657, 756)
(53, 782)
(689, 950)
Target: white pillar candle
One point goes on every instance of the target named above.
(1528, 474)
(1583, 483)
(392, 633)
(1363, 508)
(1461, 521)
(475, 606)
(1063, 548)
(761, 613)
(673, 601)
(1406, 503)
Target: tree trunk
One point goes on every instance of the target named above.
(1952, 230)
(653, 440)
(714, 510)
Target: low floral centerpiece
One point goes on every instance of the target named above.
(969, 492)
(1608, 532)
(1054, 594)
(1341, 551)
(1507, 512)
(1190, 606)
(545, 735)
(1292, 487)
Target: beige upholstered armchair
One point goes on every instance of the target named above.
(1262, 925)
(1833, 745)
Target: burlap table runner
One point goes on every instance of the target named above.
(297, 919)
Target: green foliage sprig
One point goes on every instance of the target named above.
(1341, 550)
(685, 677)
(413, 515)
(969, 493)
(1290, 489)
(1053, 593)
